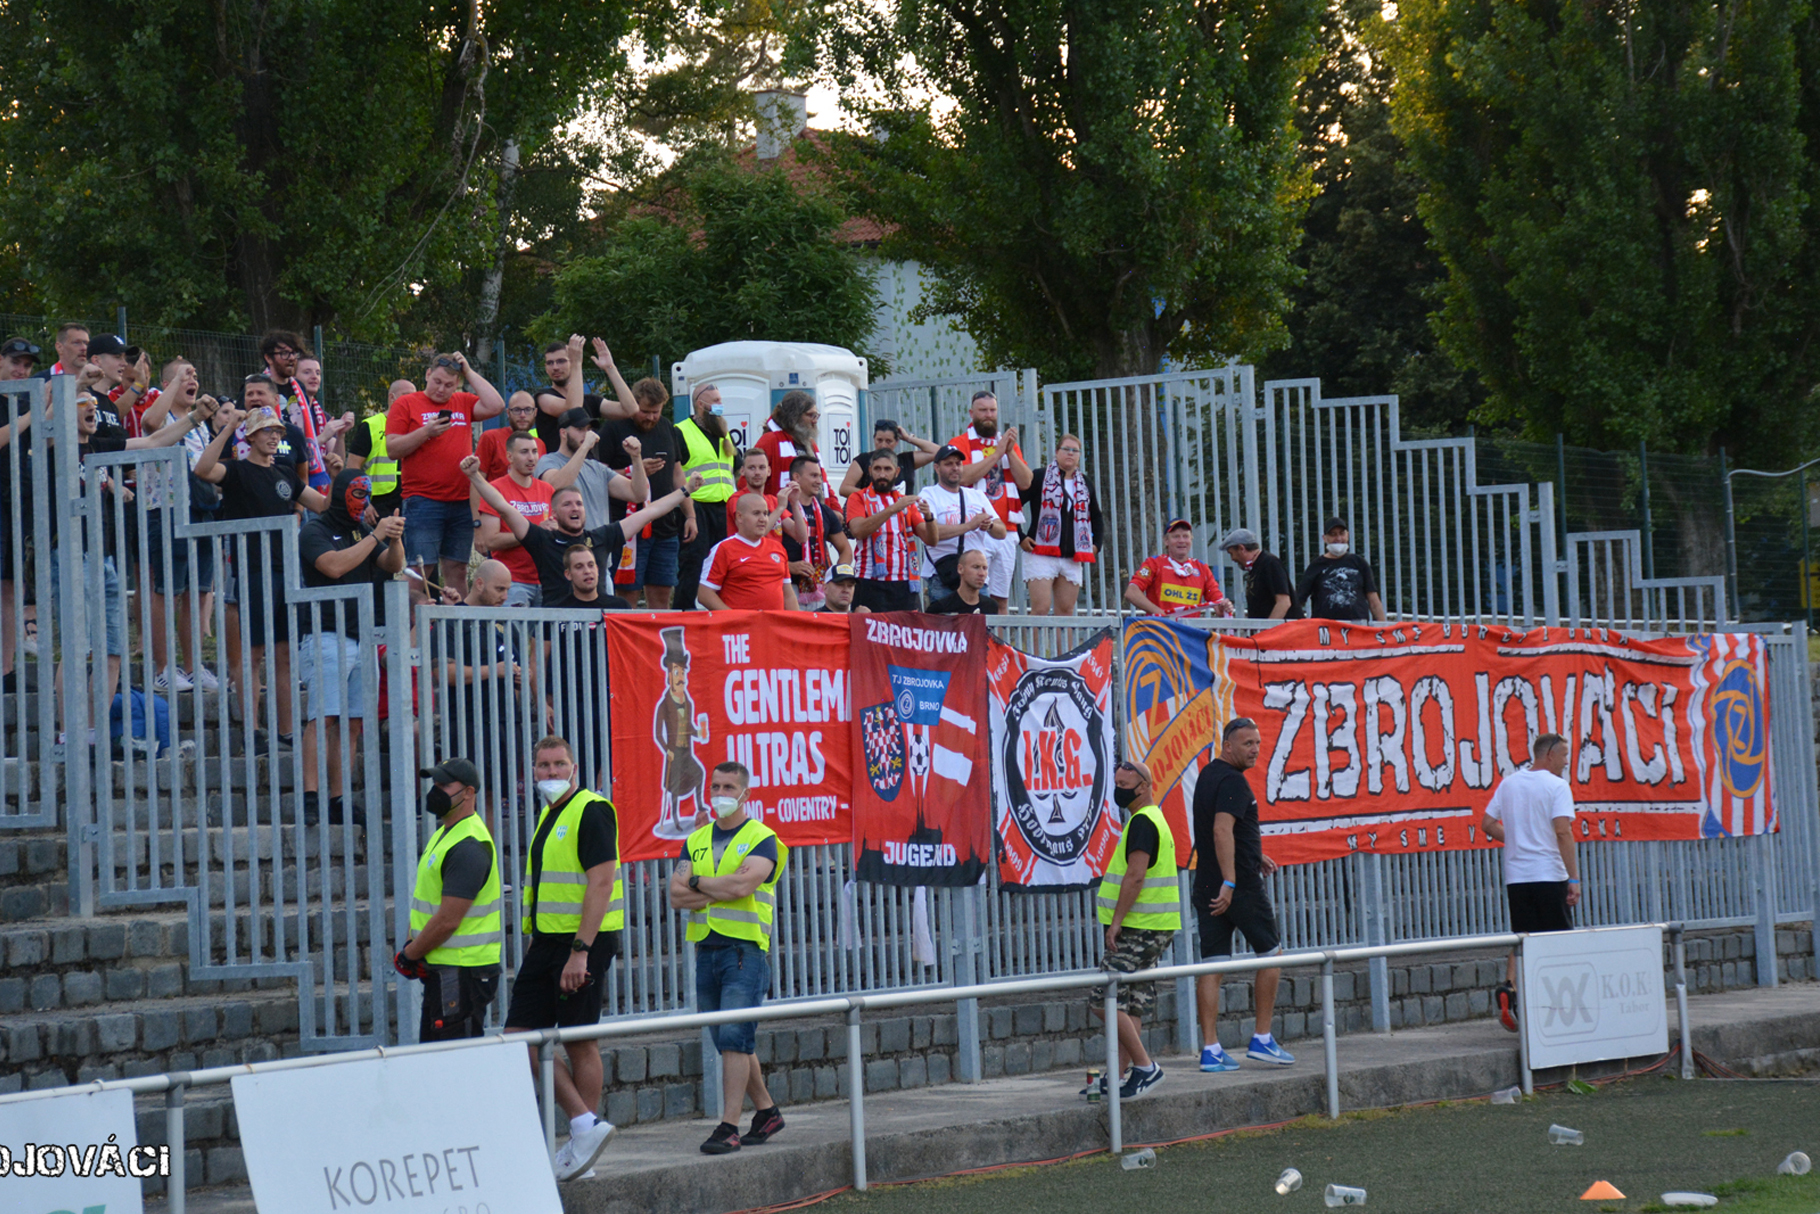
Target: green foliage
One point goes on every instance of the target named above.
(743, 256)
(1359, 317)
(1114, 183)
(282, 162)
(1623, 198)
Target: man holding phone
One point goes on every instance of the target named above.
(429, 433)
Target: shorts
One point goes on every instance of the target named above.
(385, 505)
(657, 562)
(525, 594)
(1046, 568)
(192, 564)
(1251, 916)
(885, 596)
(1004, 562)
(1138, 948)
(113, 604)
(329, 669)
(437, 530)
(729, 976)
(465, 1013)
(538, 1001)
(254, 591)
(1539, 906)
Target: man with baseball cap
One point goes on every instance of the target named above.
(1269, 592)
(456, 928)
(599, 484)
(18, 358)
(837, 592)
(1175, 583)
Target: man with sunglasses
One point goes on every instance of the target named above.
(283, 352)
(429, 433)
(521, 418)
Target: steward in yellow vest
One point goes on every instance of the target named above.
(708, 450)
(728, 883)
(1139, 901)
(574, 908)
(366, 451)
(456, 929)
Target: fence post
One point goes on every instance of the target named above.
(78, 759)
(1330, 1050)
(1763, 884)
(120, 321)
(1187, 1010)
(1546, 511)
(1732, 610)
(1376, 908)
(1114, 1125)
(1649, 526)
(1250, 412)
(856, 1097)
(176, 1200)
(967, 1011)
(401, 664)
(546, 1073)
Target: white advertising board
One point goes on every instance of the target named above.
(453, 1132)
(1592, 995)
(63, 1153)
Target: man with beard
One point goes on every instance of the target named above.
(657, 555)
(576, 668)
(885, 525)
(520, 414)
(337, 550)
(708, 451)
(599, 484)
(283, 353)
(565, 391)
(429, 433)
(72, 350)
(1269, 594)
(791, 432)
(996, 467)
(531, 497)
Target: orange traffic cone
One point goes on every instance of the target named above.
(1602, 1190)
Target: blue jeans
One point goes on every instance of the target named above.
(657, 562)
(729, 977)
(113, 606)
(435, 529)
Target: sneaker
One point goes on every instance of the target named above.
(583, 1148)
(205, 678)
(1269, 1051)
(1213, 1059)
(30, 644)
(765, 1123)
(172, 677)
(1141, 1081)
(1507, 1006)
(564, 1161)
(723, 1141)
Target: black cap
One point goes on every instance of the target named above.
(842, 573)
(15, 346)
(1335, 524)
(105, 343)
(577, 417)
(949, 449)
(452, 771)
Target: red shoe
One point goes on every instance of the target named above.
(1507, 1006)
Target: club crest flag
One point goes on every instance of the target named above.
(921, 809)
(1053, 753)
(767, 689)
(1392, 738)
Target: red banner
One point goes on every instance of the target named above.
(766, 689)
(1392, 738)
(921, 799)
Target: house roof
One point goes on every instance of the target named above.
(858, 229)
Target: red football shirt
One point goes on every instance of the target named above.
(748, 575)
(532, 501)
(1177, 586)
(492, 452)
(434, 469)
(733, 511)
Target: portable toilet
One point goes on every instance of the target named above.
(754, 375)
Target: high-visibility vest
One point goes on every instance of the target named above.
(1159, 902)
(380, 468)
(477, 937)
(747, 918)
(558, 889)
(716, 467)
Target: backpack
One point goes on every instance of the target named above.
(161, 723)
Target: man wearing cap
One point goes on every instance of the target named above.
(1175, 583)
(709, 451)
(575, 908)
(18, 358)
(456, 928)
(1269, 593)
(119, 385)
(1140, 906)
(599, 484)
(964, 521)
(1340, 584)
(837, 592)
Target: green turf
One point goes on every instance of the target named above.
(1646, 1136)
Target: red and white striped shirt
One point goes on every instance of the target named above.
(888, 554)
(997, 484)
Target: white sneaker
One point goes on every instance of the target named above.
(582, 1150)
(172, 677)
(205, 678)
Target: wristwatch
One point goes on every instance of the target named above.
(695, 882)
(576, 946)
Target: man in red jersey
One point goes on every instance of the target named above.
(748, 571)
(1175, 583)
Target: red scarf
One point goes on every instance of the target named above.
(1049, 515)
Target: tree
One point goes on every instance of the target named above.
(1359, 317)
(1623, 197)
(1112, 184)
(280, 162)
(734, 254)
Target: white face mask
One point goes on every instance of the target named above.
(550, 790)
(725, 807)
(1336, 549)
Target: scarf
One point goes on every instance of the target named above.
(1049, 515)
(815, 549)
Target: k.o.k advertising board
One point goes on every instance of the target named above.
(1592, 995)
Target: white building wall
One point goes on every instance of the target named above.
(928, 350)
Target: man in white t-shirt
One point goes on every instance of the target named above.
(1532, 815)
(957, 510)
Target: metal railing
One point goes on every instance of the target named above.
(176, 1085)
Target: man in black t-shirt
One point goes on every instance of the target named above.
(1229, 894)
(568, 512)
(1339, 584)
(657, 558)
(1269, 594)
(974, 569)
(338, 551)
(566, 390)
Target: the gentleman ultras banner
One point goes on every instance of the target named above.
(766, 689)
(921, 805)
(1053, 753)
(1391, 739)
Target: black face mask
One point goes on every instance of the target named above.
(437, 802)
(882, 484)
(1123, 797)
